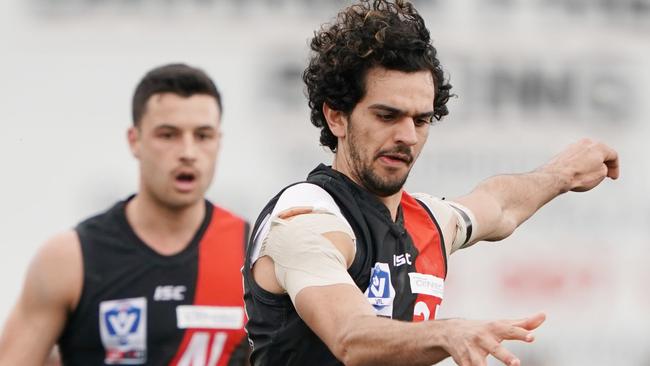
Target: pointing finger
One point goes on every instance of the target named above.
(530, 323)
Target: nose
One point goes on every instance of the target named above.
(188, 149)
(405, 131)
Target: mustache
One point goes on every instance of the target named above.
(402, 152)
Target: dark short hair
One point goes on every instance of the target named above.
(179, 79)
(369, 34)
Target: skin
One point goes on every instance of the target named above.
(175, 135)
(383, 136)
(378, 143)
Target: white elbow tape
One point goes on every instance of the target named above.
(302, 256)
(465, 226)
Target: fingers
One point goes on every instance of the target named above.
(477, 359)
(511, 330)
(530, 323)
(506, 330)
(501, 353)
(471, 358)
(471, 342)
(610, 159)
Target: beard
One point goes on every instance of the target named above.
(382, 186)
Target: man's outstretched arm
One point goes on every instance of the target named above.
(501, 203)
(342, 317)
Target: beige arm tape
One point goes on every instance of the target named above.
(465, 227)
(302, 256)
(445, 212)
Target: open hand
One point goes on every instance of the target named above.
(469, 342)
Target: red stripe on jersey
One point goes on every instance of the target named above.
(219, 283)
(430, 259)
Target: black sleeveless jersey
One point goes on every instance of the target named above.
(138, 307)
(400, 266)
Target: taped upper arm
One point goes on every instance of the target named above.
(457, 221)
(309, 250)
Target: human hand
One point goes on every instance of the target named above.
(583, 165)
(469, 342)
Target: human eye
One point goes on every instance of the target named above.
(203, 135)
(386, 117)
(166, 134)
(423, 121)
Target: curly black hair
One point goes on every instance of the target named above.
(369, 34)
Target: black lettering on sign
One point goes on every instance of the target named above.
(569, 92)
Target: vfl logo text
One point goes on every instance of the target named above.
(380, 291)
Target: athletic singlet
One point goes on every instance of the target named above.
(138, 307)
(400, 266)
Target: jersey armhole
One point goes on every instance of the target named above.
(301, 194)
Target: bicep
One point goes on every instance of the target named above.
(310, 256)
(491, 223)
(51, 285)
(308, 250)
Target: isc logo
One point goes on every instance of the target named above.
(401, 259)
(169, 293)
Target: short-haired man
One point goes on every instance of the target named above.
(337, 260)
(155, 279)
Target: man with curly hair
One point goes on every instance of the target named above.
(338, 260)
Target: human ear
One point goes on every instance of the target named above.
(133, 136)
(336, 120)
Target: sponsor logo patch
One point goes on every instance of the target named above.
(427, 284)
(123, 330)
(380, 291)
(209, 317)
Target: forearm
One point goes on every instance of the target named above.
(26, 340)
(374, 340)
(502, 203)
(342, 318)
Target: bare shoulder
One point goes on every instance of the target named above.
(61, 246)
(56, 272)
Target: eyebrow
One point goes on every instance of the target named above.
(172, 127)
(400, 112)
(165, 126)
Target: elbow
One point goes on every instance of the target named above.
(345, 349)
(509, 225)
(506, 225)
